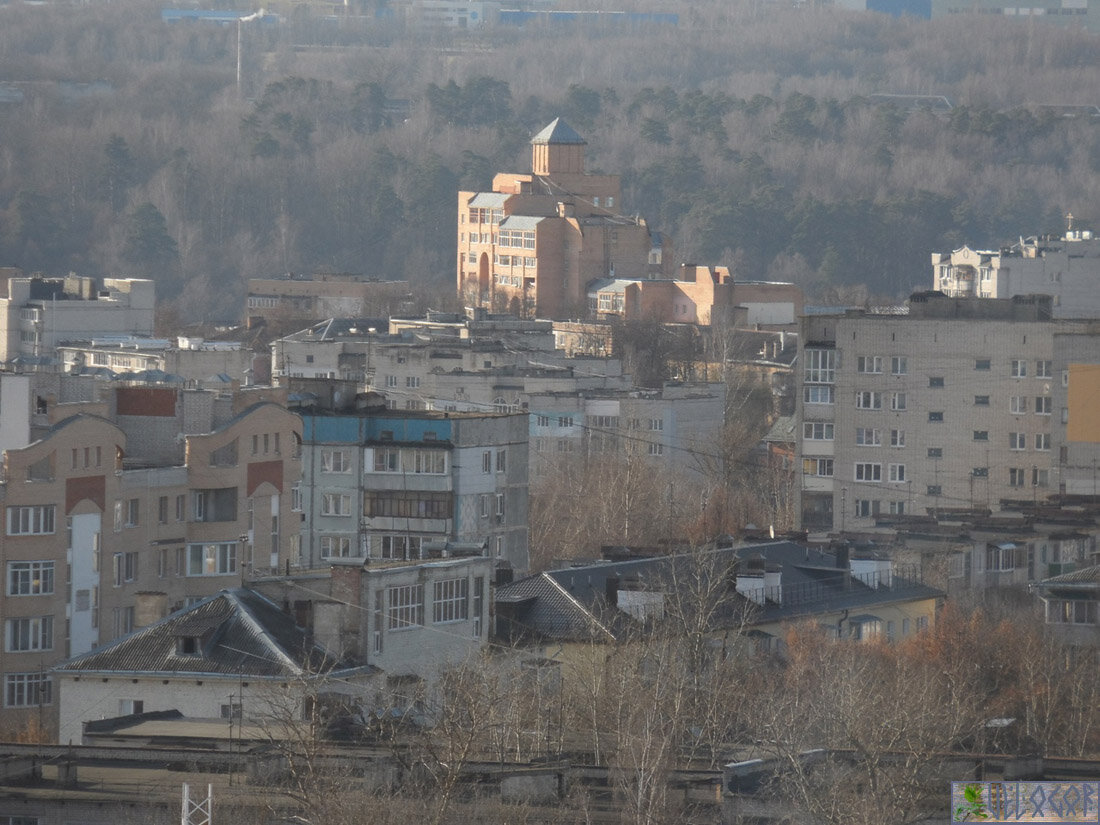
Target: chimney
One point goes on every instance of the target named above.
(611, 590)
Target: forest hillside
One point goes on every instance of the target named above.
(747, 133)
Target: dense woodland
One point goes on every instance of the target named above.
(745, 133)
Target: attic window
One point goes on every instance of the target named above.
(387, 435)
(188, 646)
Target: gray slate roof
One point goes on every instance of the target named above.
(241, 633)
(558, 131)
(571, 603)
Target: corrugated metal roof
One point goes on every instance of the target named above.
(491, 200)
(521, 222)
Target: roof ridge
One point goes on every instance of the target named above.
(577, 604)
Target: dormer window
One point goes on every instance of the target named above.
(188, 646)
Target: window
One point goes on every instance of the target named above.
(1017, 404)
(897, 508)
(449, 600)
(296, 497)
(867, 471)
(391, 381)
(656, 449)
(26, 690)
(387, 459)
(162, 510)
(898, 401)
(935, 417)
(335, 461)
(602, 421)
(124, 567)
(337, 547)
(899, 365)
(868, 437)
(1076, 611)
(543, 421)
(866, 508)
(897, 438)
(1044, 404)
(820, 366)
(934, 490)
(487, 461)
(1019, 369)
(502, 460)
(868, 400)
(935, 452)
(412, 382)
(133, 512)
(212, 559)
(181, 507)
(935, 381)
(563, 421)
(335, 504)
(982, 364)
(1039, 477)
(30, 578)
(981, 400)
(817, 430)
(36, 520)
(817, 467)
(981, 435)
(33, 633)
(407, 504)
(897, 473)
(1017, 441)
(869, 363)
(980, 472)
(1042, 441)
(1043, 369)
(405, 606)
(816, 394)
(656, 424)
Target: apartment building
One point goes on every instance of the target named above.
(948, 403)
(675, 429)
(533, 244)
(698, 295)
(386, 484)
(187, 360)
(105, 533)
(1065, 267)
(38, 313)
(322, 295)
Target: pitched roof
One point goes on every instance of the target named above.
(239, 633)
(811, 584)
(558, 131)
(1086, 576)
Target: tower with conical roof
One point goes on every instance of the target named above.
(557, 149)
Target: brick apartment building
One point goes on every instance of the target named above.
(533, 244)
(127, 509)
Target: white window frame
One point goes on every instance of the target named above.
(212, 559)
(32, 520)
(450, 600)
(28, 634)
(30, 578)
(868, 400)
(867, 471)
(335, 460)
(404, 606)
(336, 504)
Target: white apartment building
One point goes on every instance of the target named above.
(1067, 268)
(950, 404)
(37, 314)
